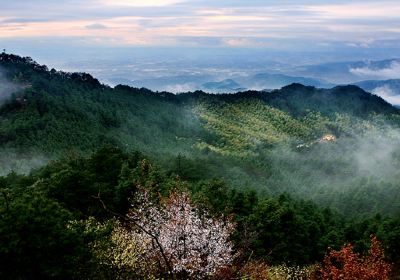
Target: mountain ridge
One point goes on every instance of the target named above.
(249, 139)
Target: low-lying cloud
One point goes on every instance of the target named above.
(390, 72)
(179, 88)
(387, 93)
(23, 163)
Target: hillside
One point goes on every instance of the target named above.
(249, 139)
(261, 181)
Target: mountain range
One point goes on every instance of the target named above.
(261, 81)
(387, 89)
(351, 71)
(237, 74)
(249, 139)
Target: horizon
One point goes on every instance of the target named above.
(182, 45)
(332, 27)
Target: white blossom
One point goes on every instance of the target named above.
(183, 238)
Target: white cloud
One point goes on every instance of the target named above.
(244, 42)
(388, 94)
(179, 88)
(391, 72)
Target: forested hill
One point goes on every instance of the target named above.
(313, 143)
(49, 105)
(253, 183)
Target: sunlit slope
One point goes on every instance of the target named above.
(245, 124)
(242, 127)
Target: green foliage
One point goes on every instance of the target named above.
(56, 214)
(292, 231)
(249, 139)
(36, 242)
(237, 154)
(245, 126)
(59, 111)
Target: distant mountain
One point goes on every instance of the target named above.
(373, 84)
(276, 81)
(261, 81)
(224, 86)
(351, 72)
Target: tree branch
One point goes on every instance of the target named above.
(154, 237)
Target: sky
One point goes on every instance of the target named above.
(270, 24)
(180, 44)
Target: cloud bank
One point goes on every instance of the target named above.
(390, 72)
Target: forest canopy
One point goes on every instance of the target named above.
(273, 179)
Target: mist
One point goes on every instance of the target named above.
(338, 173)
(387, 93)
(7, 87)
(12, 160)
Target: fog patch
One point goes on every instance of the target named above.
(326, 171)
(7, 87)
(22, 163)
(377, 155)
(180, 88)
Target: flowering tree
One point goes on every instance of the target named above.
(184, 240)
(346, 265)
(124, 256)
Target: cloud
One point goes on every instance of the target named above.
(388, 94)
(390, 72)
(140, 3)
(179, 88)
(244, 42)
(366, 43)
(96, 26)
